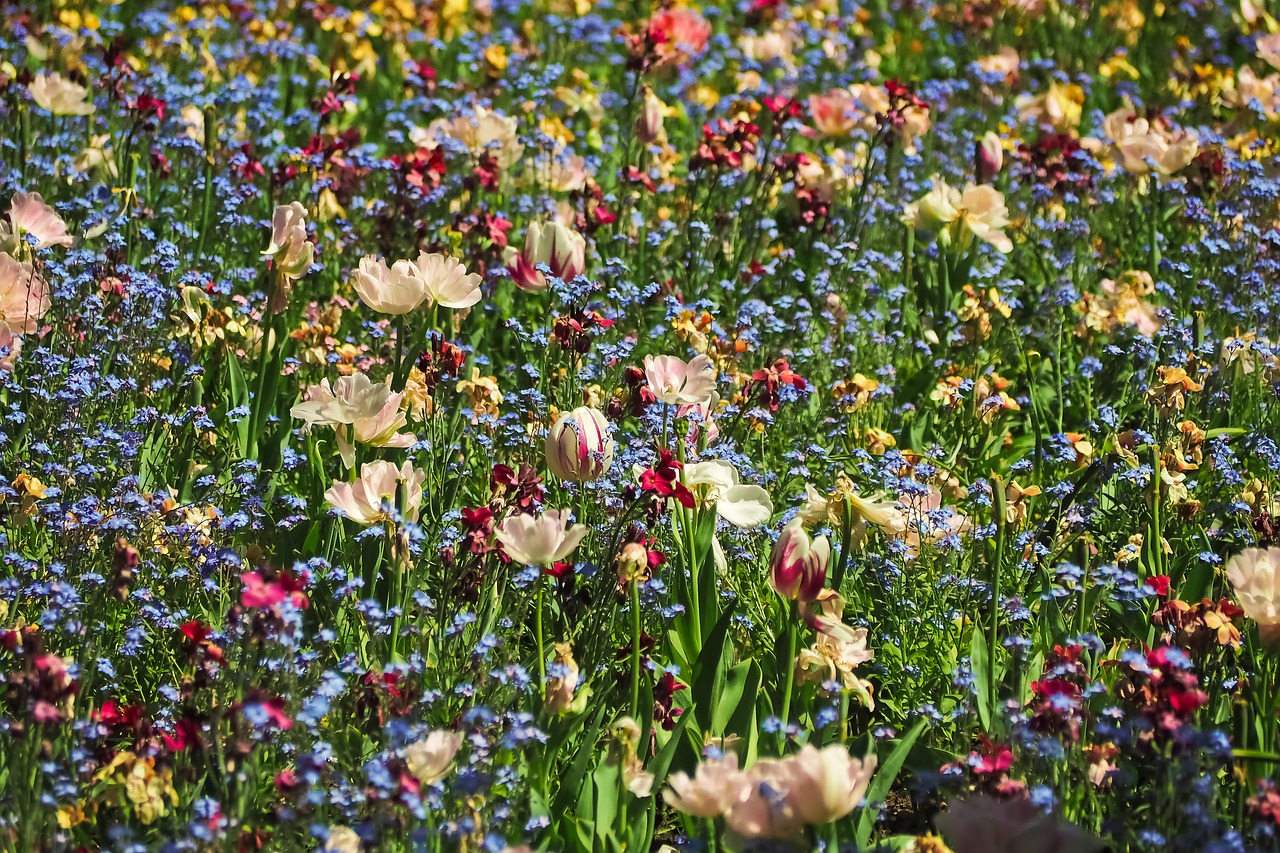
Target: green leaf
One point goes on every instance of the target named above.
(981, 676)
(239, 397)
(708, 672)
(883, 781)
(743, 720)
(571, 781)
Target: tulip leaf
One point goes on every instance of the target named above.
(708, 672)
(883, 782)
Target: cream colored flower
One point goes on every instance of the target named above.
(60, 96)
(540, 540)
(431, 758)
(342, 839)
(957, 215)
(483, 132)
(716, 787)
(447, 281)
(360, 412)
(397, 289)
(1255, 574)
(1141, 146)
(809, 788)
(561, 687)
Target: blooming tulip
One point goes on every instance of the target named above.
(397, 289)
(1255, 573)
(579, 447)
(360, 412)
(24, 296)
(715, 788)
(60, 96)
(540, 540)
(447, 281)
(431, 758)
(677, 383)
(29, 216)
(290, 251)
(368, 500)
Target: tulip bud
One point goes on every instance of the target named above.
(649, 123)
(798, 565)
(989, 158)
(562, 249)
(579, 447)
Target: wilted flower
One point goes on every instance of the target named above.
(561, 686)
(60, 96)
(290, 250)
(372, 498)
(360, 412)
(678, 383)
(1255, 574)
(798, 565)
(649, 129)
(24, 295)
(562, 249)
(579, 447)
(540, 540)
(431, 758)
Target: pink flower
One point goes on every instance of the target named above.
(678, 383)
(679, 32)
(29, 215)
(716, 787)
(371, 499)
(834, 113)
(259, 593)
(983, 824)
(24, 296)
(540, 540)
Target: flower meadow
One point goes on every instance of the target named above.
(585, 426)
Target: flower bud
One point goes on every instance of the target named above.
(798, 565)
(562, 249)
(579, 447)
(649, 123)
(989, 158)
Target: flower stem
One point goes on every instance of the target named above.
(635, 649)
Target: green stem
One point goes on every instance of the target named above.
(537, 627)
(790, 664)
(635, 649)
(999, 516)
